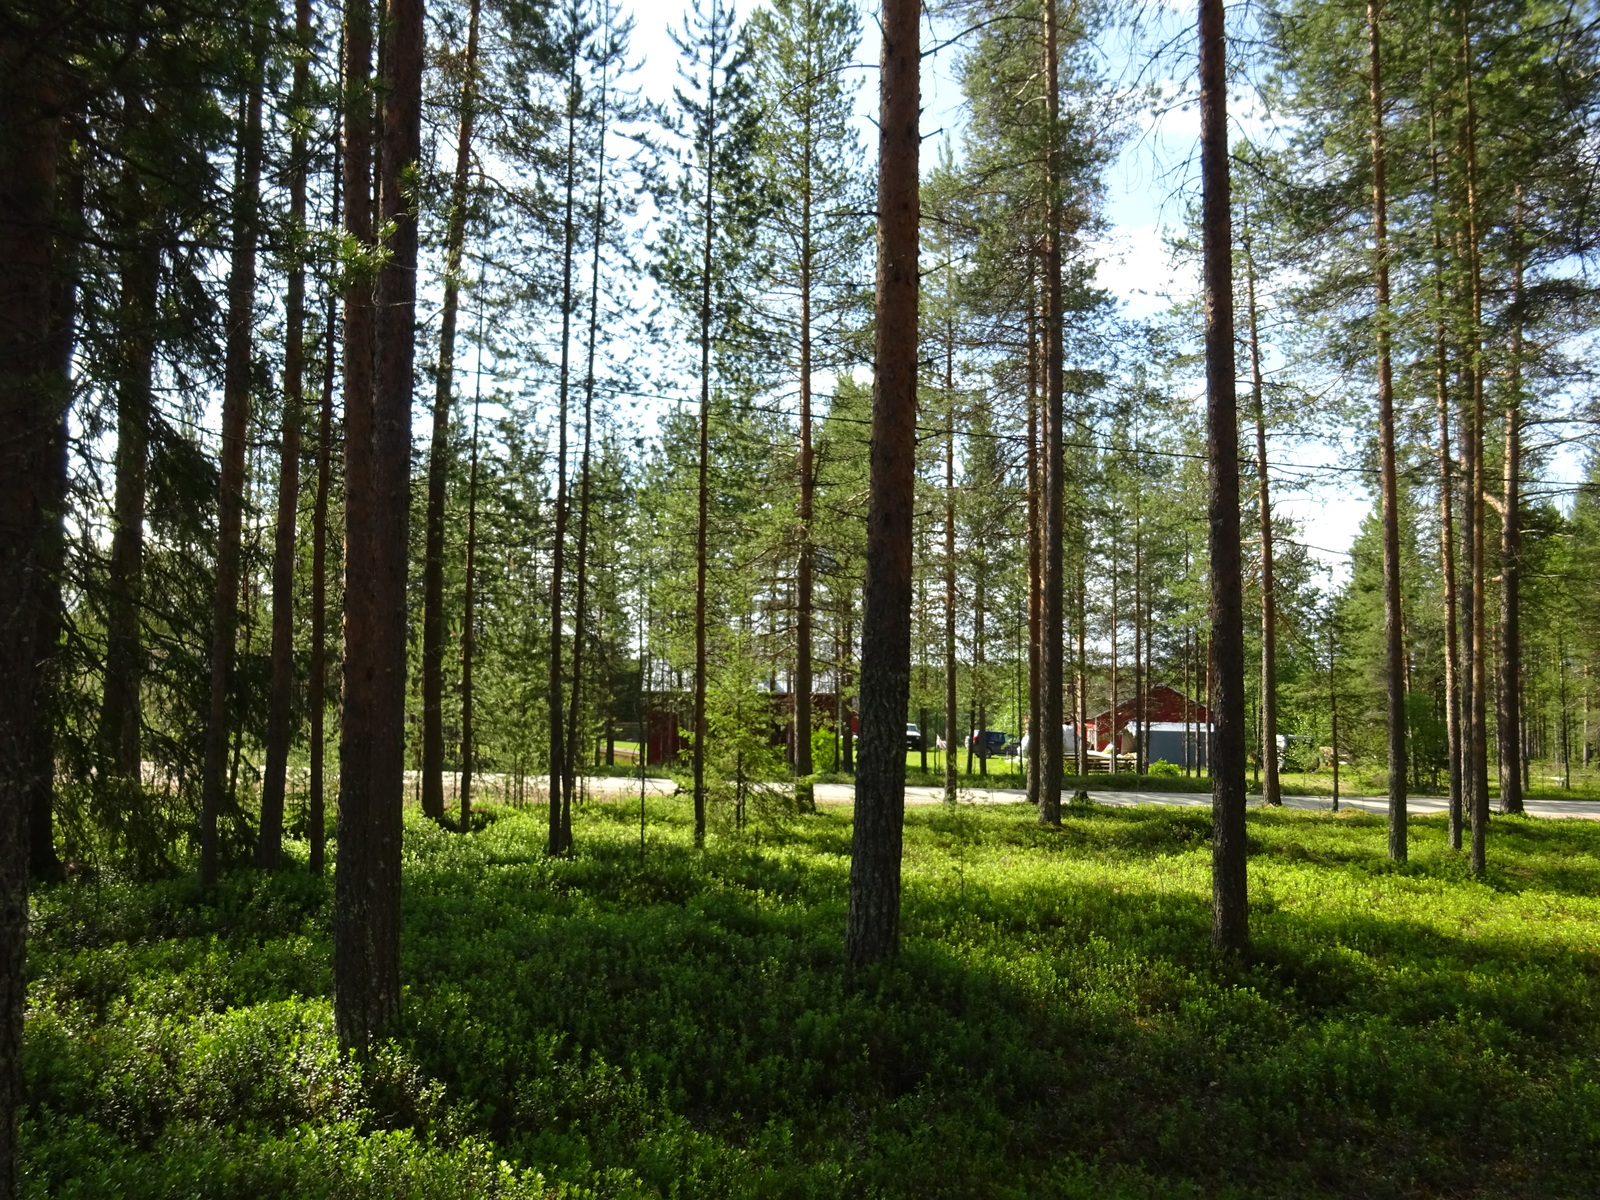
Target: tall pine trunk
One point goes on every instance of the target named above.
(872, 925)
(1447, 531)
(1081, 737)
(702, 515)
(269, 846)
(1139, 681)
(316, 698)
(44, 865)
(580, 607)
(439, 445)
(230, 489)
(556, 843)
(1230, 932)
(952, 717)
(1054, 416)
(138, 270)
(1477, 758)
(1269, 603)
(1035, 571)
(31, 407)
(1393, 616)
(377, 480)
(469, 609)
(805, 799)
(1510, 722)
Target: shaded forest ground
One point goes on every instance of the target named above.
(686, 1027)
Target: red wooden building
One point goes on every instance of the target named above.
(1161, 704)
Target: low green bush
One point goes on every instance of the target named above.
(683, 1024)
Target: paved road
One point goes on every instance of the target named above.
(1417, 806)
(845, 793)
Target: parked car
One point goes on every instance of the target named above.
(913, 736)
(993, 742)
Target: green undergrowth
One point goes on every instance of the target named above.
(685, 1025)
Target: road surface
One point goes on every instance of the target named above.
(845, 793)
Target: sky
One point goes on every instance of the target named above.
(1145, 196)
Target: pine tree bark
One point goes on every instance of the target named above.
(1393, 616)
(1271, 790)
(139, 268)
(377, 480)
(872, 925)
(952, 717)
(1050, 767)
(702, 480)
(439, 445)
(469, 609)
(316, 699)
(580, 607)
(1477, 759)
(1447, 531)
(556, 843)
(269, 847)
(1229, 885)
(1081, 737)
(805, 796)
(1139, 680)
(1112, 673)
(44, 865)
(1510, 697)
(1035, 573)
(231, 482)
(31, 407)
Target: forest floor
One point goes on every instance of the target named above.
(655, 1021)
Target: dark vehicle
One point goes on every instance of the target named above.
(992, 743)
(913, 736)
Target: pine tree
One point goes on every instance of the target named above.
(439, 447)
(32, 403)
(714, 205)
(377, 480)
(810, 152)
(1230, 897)
(236, 390)
(872, 927)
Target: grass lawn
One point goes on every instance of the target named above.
(685, 1026)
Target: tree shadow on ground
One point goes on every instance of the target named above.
(692, 1018)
